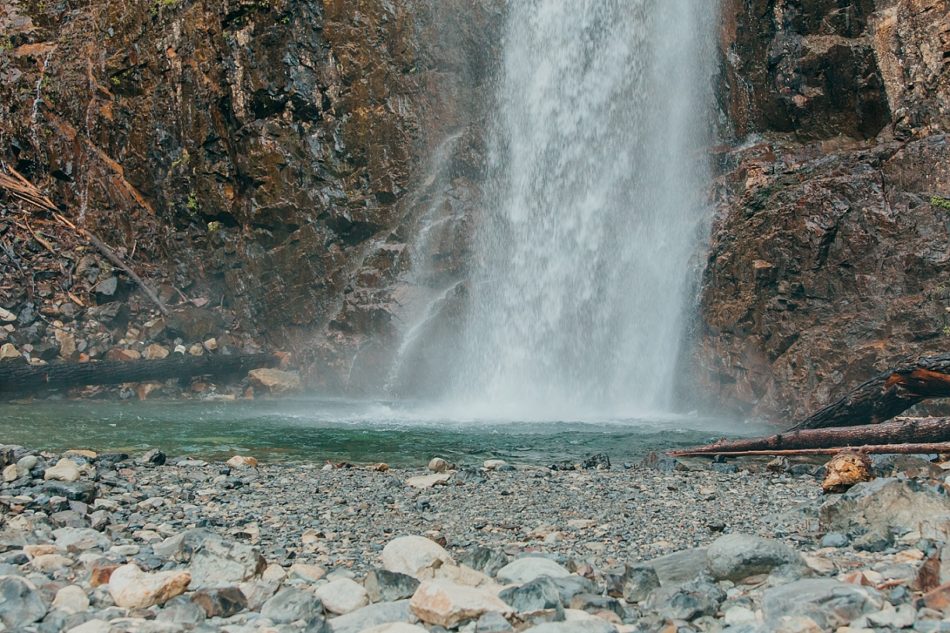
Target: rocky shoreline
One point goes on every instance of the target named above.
(109, 542)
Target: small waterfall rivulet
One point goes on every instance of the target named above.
(594, 206)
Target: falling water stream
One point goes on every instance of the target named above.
(579, 292)
(594, 207)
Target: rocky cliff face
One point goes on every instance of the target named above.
(830, 254)
(284, 171)
(258, 158)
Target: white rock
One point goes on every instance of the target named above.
(92, 626)
(739, 616)
(64, 470)
(438, 465)
(396, 627)
(342, 596)
(26, 463)
(423, 482)
(71, 599)
(412, 555)
(50, 562)
(494, 464)
(80, 539)
(131, 588)
(447, 604)
(242, 461)
(524, 570)
(6, 315)
(310, 573)
(10, 473)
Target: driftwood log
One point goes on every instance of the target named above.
(933, 432)
(886, 395)
(21, 379)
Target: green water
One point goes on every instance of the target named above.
(343, 430)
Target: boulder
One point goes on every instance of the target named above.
(396, 627)
(215, 563)
(845, 470)
(21, 603)
(275, 381)
(71, 599)
(424, 482)
(290, 605)
(387, 586)
(444, 603)
(242, 461)
(439, 465)
(679, 567)
(587, 625)
(737, 556)
(84, 491)
(64, 470)
(413, 555)
(538, 595)
(830, 603)
(131, 588)
(80, 539)
(220, 603)
(342, 596)
(688, 601)
(372, 615)
(524, 570)
(889, 505)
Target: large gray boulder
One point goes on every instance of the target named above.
(679, 567)
(373, 615)
(828, 602)
(21, 603)
(737, 556)
(889, 505)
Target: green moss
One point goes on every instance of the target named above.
(946, 330)
(940, 201)
(192, 203)
(5, 43)
(182, 160)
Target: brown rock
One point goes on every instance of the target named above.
(122, 354)
(220, 603)
(938, 598)
(844, 470)
(156, 352)
(242, 461)
(447, 604)
(131, 588)
(275, 381)
(100, 573)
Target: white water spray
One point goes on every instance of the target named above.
(595, 205)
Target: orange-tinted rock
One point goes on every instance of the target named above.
(845, 470)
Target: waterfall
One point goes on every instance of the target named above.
(594, 205)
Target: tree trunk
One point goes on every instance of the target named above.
(885, 396)
(917, 431)
(27, 379)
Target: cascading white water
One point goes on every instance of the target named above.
(594, 206)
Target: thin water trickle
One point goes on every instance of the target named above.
(594, 206)
(37, 101)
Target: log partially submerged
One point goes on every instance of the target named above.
(886, 395)
(17, 378)
(910, 431)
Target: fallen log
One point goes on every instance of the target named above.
(21, 379)
(886, 395)
(939, 448)
(911, 430)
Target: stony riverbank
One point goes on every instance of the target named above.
(109, 542)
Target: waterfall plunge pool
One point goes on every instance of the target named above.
(320, 429)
